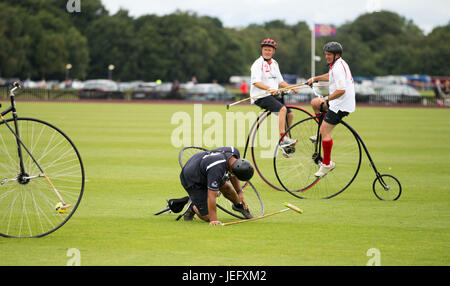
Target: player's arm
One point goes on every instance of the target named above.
(324, 77)
(212, 208)
(237, 187)
(284, 84)
(214, 177)
(336, 94)
(263, 86)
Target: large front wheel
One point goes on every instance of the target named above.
(296, 172)
(28, 196)
(263, 139)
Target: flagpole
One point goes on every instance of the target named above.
(313, 50)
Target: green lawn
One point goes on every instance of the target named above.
(131, 168)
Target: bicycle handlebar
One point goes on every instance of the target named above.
(16, 86)
(319, 95)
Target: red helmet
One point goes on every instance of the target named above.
(269, 42)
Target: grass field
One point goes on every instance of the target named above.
(131, 168)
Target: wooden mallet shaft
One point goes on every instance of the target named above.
(290, 207)
(300, 85)
(264, 93)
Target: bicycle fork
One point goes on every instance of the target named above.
(385, 186)
(317, 158)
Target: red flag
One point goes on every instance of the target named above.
(323, 30)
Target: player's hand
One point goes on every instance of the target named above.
(272, 91)
(215, 222)
(311, 81)
(294, 90)
(242, 199)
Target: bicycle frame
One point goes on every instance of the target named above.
(377, 174)
(316, 155)
(13, 109)
(23, 177)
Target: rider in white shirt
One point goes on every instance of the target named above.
(266, 77)
(339, 103)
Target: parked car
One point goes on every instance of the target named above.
(152, 90)
(126, 86)
(143, 90)
(207, 92)
(101, 89)
(363, 93)
(73, 84)
(397, 94)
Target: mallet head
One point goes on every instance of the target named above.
(294, 208)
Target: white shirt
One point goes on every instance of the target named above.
(340, 78)
(268, 74)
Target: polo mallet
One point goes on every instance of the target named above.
(300, 85)
(290, 207)
(264, 93)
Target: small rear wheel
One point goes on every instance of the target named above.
(387, 187)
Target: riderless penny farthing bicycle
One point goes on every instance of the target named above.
(251, 195)
(296, 173)
(42, 175)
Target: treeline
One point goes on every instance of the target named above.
(39, 37)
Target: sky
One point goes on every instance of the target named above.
(241, 13)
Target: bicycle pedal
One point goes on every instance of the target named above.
(317, 158)
(290, 150)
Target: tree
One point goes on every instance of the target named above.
(434, 50)
(39, 37)
(13, 41)
(112, 41)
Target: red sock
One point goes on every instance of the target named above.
(281, 135)
(327, 145)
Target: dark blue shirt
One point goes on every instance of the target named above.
(208, 169)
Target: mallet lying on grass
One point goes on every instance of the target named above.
(290, 207)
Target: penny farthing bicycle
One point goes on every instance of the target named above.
(296, 173)
(41, 173)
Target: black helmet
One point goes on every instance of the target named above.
(242, 169)
(333, 47)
